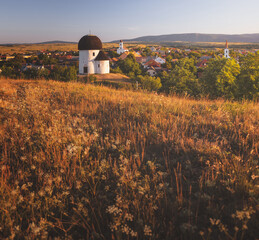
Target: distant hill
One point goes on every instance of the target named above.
(48, 42)
(54, 42)
(198, 37)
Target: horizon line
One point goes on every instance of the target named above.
(68, 41)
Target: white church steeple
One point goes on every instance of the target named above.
(226, 51)
(121, 44)
(121, 49)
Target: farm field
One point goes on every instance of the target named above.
(235, 45)
(79, 161)
(23, 48)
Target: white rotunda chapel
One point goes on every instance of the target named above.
(92, 60)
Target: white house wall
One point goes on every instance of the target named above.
(160, 60)
(86, 59)
(120, 50)
(226, 53)
(102, 67)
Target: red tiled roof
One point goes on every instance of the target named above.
(140, 59)
(123, 55)
(202, 63)
(152, 63)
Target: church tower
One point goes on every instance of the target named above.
(121, 49)
(121, 44)
(226, 51)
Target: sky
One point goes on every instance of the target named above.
(30, 21)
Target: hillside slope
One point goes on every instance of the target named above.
(112, 77)
(198, 37)
(88, 162)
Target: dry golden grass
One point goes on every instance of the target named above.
(113, 77)
(88, 162)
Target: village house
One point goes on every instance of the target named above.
(64, 58)
(8, 57)
(202, 64)
(30, 66)
(205, 57)
(153, 49)
(141, 60)
(114, 61)
(25, 56)
(160, 60)
(152, 72)
(75, 58)
(152, 63)
(123, 55)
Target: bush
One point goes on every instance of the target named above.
(150, 83)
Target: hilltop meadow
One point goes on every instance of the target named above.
(80, 161)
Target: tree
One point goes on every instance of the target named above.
(64, 73)
(150, 83)
(43, 73)
(18, 61)
(182, 79)
(146, 52)
(15, 64)
(116, 70)
(113, 54)
(130, 66)
(8, 72)
(194, 55)
(227, 77)
(70, 74)
(32, 73)
(248, 79)
(168, 63)
(218, 79)
(44, 59)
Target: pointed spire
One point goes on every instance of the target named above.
(226, 44)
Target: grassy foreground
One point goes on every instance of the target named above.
(88, 162)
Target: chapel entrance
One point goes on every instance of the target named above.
(85, 69)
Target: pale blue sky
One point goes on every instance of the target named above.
(45, 20)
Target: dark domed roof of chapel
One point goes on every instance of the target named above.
(89, 42)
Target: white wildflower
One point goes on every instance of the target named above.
(147, 230)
